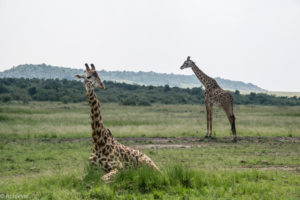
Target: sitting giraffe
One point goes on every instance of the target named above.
(214, 95)
(107, 151)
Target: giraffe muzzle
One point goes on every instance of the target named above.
(101, 86)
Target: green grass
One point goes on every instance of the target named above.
(284, 94)
(173, 182)
(59, 170)
(45, 147)
(276, 93)
(46, 120)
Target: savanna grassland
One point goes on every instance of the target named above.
(45, 147)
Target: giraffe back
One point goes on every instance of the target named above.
(218, 97)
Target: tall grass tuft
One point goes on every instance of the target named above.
(145, 183)
(142, 179)
(179, 176)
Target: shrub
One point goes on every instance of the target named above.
(128, 102)
(6, 98)
(65, 99)
(143, 102)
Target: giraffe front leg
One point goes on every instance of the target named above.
(107, 177)
(92, 157)
(207, 121)
(210, 121)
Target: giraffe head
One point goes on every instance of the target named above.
(91, 78)
(188, 63)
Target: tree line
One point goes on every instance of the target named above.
(67, 91)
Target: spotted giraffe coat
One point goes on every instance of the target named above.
(107, 151)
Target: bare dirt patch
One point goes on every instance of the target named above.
(174, 142)
(189, 142)
(274, 167)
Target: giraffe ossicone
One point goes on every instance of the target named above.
(214, 95)
(107, 153)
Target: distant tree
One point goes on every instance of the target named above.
(167, 88)
(32, 91)
(3, 89)
(128, 102)
(6, 98)
(143, 102)
(252, 96)
(197, 91)
(25, 100)
(65, 99)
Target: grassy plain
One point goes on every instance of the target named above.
(44, 120)
(284, 94)
(44, 150)
(277, 93)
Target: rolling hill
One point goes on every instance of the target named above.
(43, 71)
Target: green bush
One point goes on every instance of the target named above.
(143, 102)
(128, 102)
(6, 98)
(65, 99)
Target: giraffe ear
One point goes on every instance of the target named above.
(87, 67)
(93, 67)
(188, 58)
(79, 76)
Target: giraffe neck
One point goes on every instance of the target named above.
(96, 118)
(203, 78)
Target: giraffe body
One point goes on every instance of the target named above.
(107, 152)
(214, 96)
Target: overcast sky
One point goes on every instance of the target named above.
(253, 41)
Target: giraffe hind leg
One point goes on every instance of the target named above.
(231, 119)
(233, 130)
(207, 124)
(207, 120)
(144, 159)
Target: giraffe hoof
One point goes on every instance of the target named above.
(92, 158)
(206, 136)
(105, 179)
(234, 140)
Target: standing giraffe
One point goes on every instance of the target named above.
(214, 95)
(107, 151)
